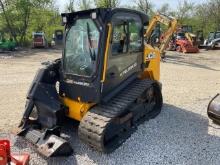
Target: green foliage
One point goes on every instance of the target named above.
(19, 18)
(85, 4)
(70, 6)
(49, 21)
(106, 3)
(205, 16)
(184, 11)
(144, 6)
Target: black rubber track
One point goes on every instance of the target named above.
(106, 126)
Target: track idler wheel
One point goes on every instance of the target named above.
(214, 109)
(149, 105)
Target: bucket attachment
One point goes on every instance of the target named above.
(214, 109)
(190, 49)
(48, 143)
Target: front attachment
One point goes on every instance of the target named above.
(214, 109)
(188, 48)
(44, 114)
(48, 142)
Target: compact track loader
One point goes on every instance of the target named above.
(107, 79)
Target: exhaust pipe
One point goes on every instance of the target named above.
(213, 110)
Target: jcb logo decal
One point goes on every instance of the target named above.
(151, 55)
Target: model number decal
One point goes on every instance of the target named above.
(128, 69)
(77, 82)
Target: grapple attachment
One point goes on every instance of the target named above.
(214, 109)
(45, 113)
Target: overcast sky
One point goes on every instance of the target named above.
(156, 3)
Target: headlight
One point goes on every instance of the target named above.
(93, 15)
(64, 20)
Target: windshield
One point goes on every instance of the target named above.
(211, 36)
(81, 48)
(180, 35)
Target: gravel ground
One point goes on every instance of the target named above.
(181, 134)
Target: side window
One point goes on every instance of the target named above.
(135, 36)
(217, 35)
(119, 38)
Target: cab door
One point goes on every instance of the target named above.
(126, 51)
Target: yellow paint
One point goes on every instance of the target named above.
(166, 20)
(190, 37)
(106, 52)
(76, 109)
(153, 69)
(153, 55)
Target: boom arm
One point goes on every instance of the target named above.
(166, 20)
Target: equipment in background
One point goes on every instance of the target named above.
(7, 45)
(1, 37)
(214, 109)
(200, 38)
(107, 80)
(58, 37)
(186, 28)
(183, 44)
(186, 41)
(213, 40)
(39, 40)
(14, 159)
(165, 38)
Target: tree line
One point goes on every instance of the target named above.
(19, 18)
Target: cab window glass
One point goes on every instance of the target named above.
(119, 38)
(135, 38)
(217, 35)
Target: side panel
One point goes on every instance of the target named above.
(152, 63)
(76, 109)
(125, 55)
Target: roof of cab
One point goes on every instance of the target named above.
(106, 13)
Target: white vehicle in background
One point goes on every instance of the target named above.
(213, 40)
